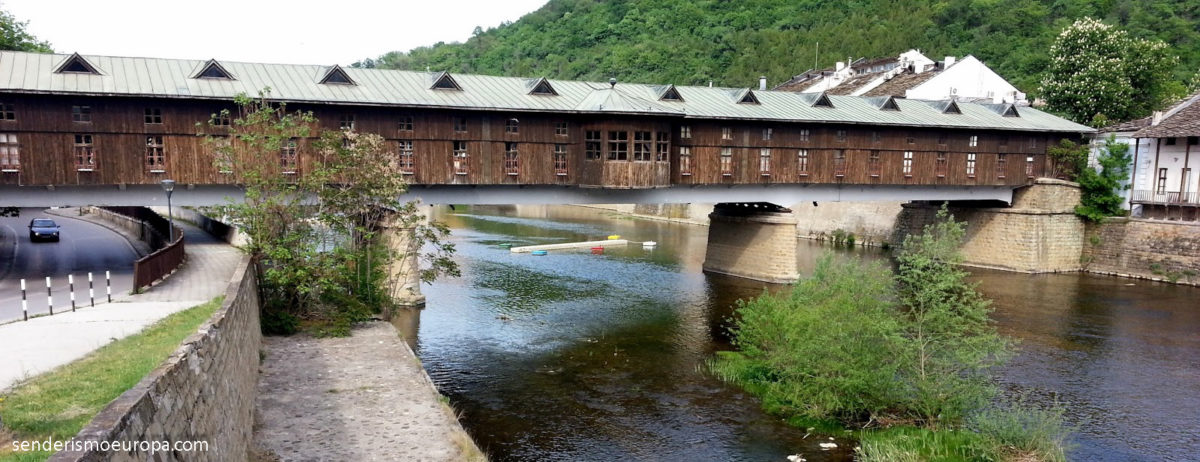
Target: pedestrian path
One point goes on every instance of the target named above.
(41, 344)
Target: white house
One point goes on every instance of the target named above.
(1166, 156)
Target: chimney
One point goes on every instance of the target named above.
(1156, 118)
(762, 82)
(710, 84)
(840, 65)
(949, 62)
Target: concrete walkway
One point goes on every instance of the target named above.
(41, 344)
(363, 397)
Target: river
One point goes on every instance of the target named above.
(575, 356)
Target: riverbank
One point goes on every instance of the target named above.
(362, 397)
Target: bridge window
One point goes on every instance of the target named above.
(512, 126)
(1003, 140)
(839, 163)
(462, 164)
(764, 161)
(874, 136)
(685, 160)
(6, 112)
(662, 149)
(512, 165)
(156, 156)
(911, 139)
(767, 133)
(940, 167)
(220, 119)
(592, 145)
(560, 129)
(346, 122)
(971, 165)
(288, 160)
(560, 160)
(802, 162)
(908, 162)
(804, 134)
(841, 136)
(1033, 142)
(618, 145)
(942, 138)
(726, 161)
(81, 114)
(685, 132)
(407, 162)
(727, 133)
(1029, 167)
(460, 124)
(1161, 188)
(405, 124)
(153, 115)
(85, 154)
(1001, 166)
(10, 153)
(874, 167)
(642, 142)
(973, 141)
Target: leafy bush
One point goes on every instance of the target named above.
(1099, 196)
(1017, 430)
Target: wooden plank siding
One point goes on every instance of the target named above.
(46, 133)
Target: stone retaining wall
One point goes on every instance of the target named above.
(1147, 249)
(204, 391)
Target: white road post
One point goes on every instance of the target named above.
(108, 285)
(91, 289)
(49, 296)
(71, 283)
(24, 303)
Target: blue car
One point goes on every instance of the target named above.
(43, 229)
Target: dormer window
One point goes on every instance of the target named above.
(671, 94)
(542, 87)
(336, 76)
(444, 81)
(822, 100)
(748, 98)
(75, 64)
(213, 70)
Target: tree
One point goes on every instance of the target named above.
(14, 37)
(1067, 159)
(1097, 69)
(1099, 189)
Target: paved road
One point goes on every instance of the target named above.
(84, 247)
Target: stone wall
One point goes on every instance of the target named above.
(1039, 233)
(203, 392)
(760, 246)
(871, 223)
(1149, 249)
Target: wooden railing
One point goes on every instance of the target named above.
(1150, 197)
(154, 231)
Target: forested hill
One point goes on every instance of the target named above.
(733, 42)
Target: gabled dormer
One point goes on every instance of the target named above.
(888, 103)
(75, 64)
(670, 93)
(1010, 111)
(214, 71)
(818, 100)
(542, 86)
(444, 81)
(748, 97)
(951, 108)
(336, 76)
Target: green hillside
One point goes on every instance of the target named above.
(733, 42)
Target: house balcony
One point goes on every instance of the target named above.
(1166, 198)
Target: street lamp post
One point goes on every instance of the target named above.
(169, 186)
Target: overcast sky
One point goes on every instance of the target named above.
(291, 32)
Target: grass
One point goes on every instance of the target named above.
(59, 403)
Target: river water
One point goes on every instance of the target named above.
(574, 356)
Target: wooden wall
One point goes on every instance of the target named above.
(46, 132)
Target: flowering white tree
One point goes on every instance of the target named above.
(1099, 70)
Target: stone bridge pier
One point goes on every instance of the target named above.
(404, 271)
(752, 240)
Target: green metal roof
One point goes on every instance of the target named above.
(174, 78)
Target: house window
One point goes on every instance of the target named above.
(560, 129)
(10, 153)
(726, 161)
(642, 143)
(592, 145)
(971, 165)
(906, 168)
(288, 160)
(1170, 141)
(81, 113)
(685, 160)
(973, 141)
(1161, 188)
(153, 115)
(1193, 140)
(839, 163)
(804, 134)
(685, 132)
(618, 145)
(512, 126)
(560, 159)
(462, 164)
(405, 124)
(802, 162)
(6, 112)
(841, 136)
(1029, 166)
(874, 167)
(156, 157)
(941, 166)
(220, 119)
(764, 161)
(663, 147)
(767, 133)
(346, 122)
(1001, 166)
(460, 124)
(407, 162)
(727, 133)
(512, 165)
(85, 154)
